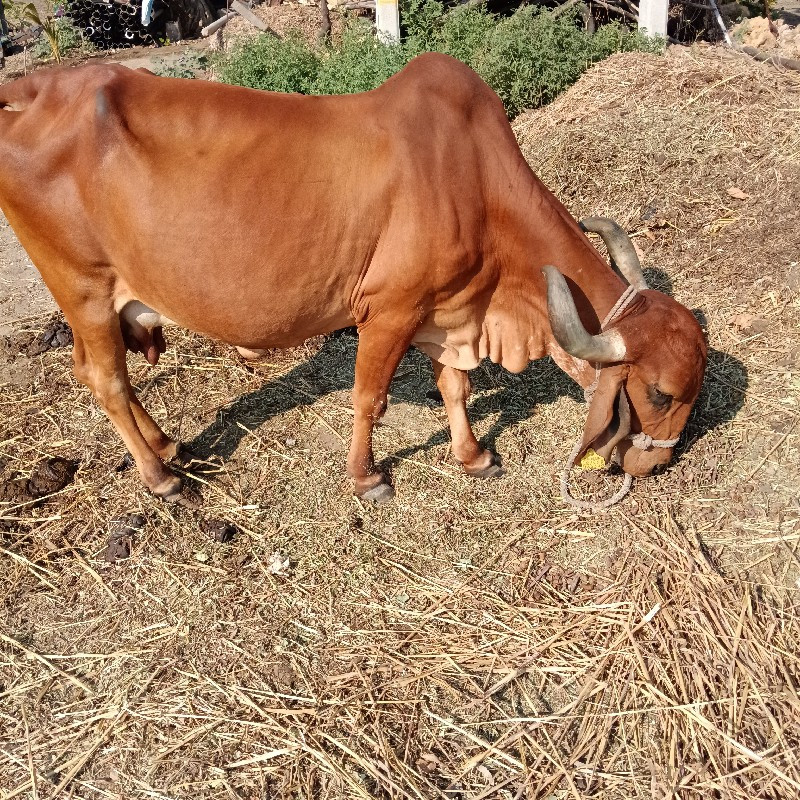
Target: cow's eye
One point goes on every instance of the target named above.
(658, 398)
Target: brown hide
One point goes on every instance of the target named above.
(262, 219)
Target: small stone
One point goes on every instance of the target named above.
(428, 764)
(278, 564)
(126, 463)
(14, 491)
(127, 524)
(117, 550)
(283, 673)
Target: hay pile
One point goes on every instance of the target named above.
(284, 19)
(471, 640)
(668, 145)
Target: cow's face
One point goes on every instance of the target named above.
(652, 364)
(653, 389)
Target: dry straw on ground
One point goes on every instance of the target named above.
(471, 640)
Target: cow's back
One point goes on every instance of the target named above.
(270, 207)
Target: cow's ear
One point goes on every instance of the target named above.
(609, 419)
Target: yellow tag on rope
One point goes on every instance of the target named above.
(592, 460)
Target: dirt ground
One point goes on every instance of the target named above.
(471, 639)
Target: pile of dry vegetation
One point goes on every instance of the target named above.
(471, 640)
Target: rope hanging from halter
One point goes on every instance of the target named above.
(642, 441)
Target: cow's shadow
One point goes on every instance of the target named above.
(497, 393)
(508, 398)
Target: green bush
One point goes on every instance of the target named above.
(267, 62)
(463, 33)
(359, 63)
(527, 58)
(530, 58)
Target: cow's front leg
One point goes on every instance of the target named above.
(455, 388)
(379, 353)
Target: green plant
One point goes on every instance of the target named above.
(420, 21)
(60, 34)
(62, 37)
(27, 12)
(358, 63)
(463, 32)
(531, 57)
(527, 58)
(267, 62)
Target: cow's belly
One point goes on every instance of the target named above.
(141, 330)
(142, 325)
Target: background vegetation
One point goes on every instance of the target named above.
(527, 58)
(67, 37)
(59, 37)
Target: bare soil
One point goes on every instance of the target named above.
(471, 639)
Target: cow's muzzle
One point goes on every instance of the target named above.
(638, 454)
(642, 463)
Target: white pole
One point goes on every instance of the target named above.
(652, 17)
(721, 23)
(387, 21)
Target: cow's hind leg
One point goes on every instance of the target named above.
(380, 351)
(161, 444)
(99, 363)
(455, 388)
(150, 342)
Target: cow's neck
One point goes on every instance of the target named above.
(595, 286)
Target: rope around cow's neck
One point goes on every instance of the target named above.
(641, 440)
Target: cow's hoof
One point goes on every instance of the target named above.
(169, 490)
(171, 451)
(382, 493)
(183, 457)
(494, 469)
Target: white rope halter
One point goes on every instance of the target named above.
(641, 441)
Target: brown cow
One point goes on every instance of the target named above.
(408, 211)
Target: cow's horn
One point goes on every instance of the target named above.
(624, 260)
(568, 329)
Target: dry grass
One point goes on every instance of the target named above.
(284, 19)
(471, 640)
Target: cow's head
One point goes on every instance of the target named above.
(651, 360)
